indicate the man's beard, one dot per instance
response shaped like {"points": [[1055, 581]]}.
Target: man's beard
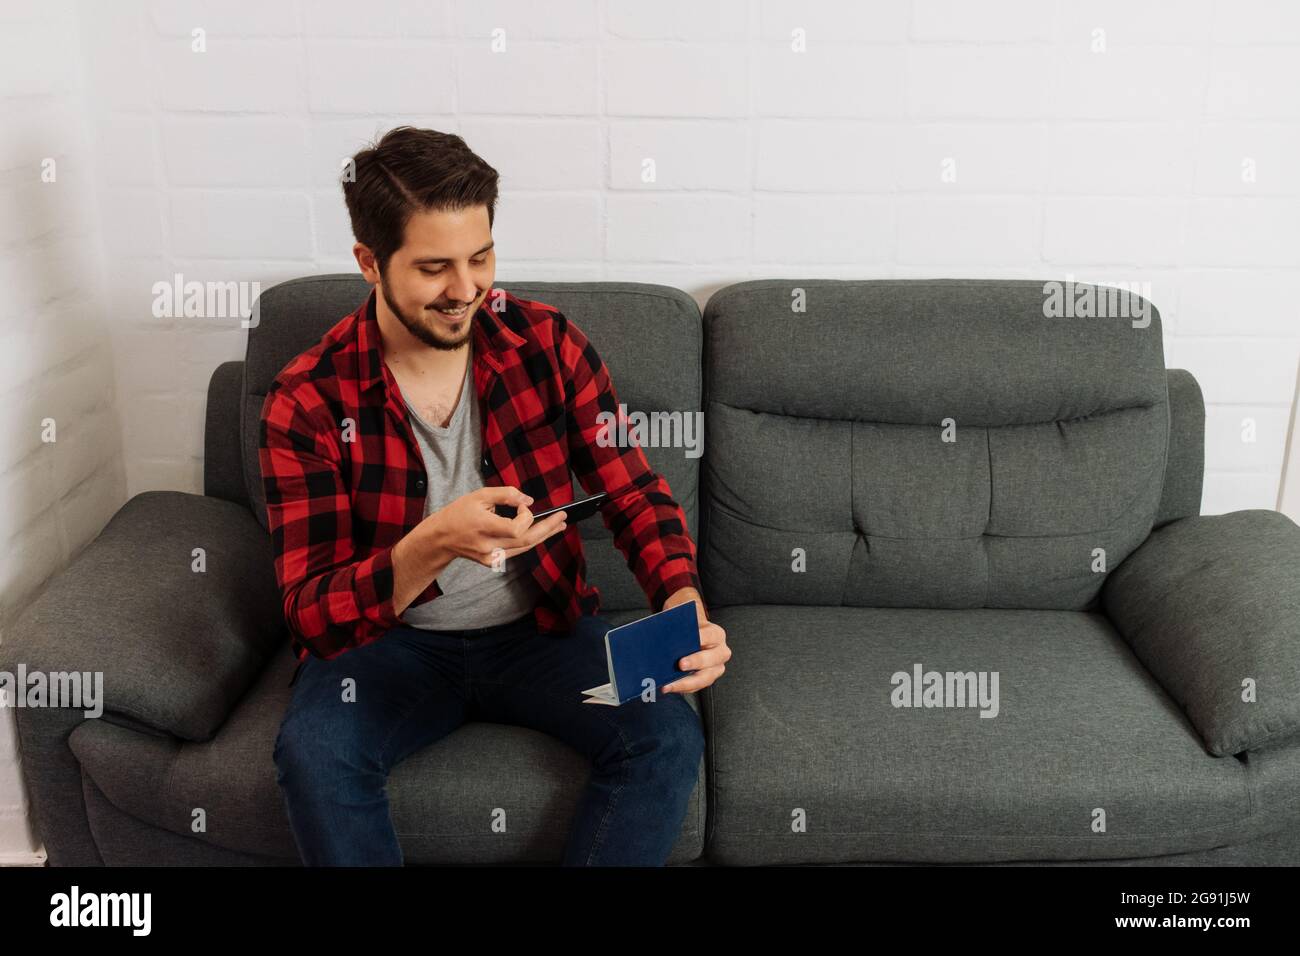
{"points": [[428, 336]]}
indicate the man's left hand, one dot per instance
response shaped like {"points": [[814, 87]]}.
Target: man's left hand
{"points": [[710, 660]]}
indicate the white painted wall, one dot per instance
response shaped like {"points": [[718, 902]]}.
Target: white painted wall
{"points": [[1122, 165], [55, 357]]}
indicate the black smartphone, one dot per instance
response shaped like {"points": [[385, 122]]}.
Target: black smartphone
{"points": [[573, 511]]}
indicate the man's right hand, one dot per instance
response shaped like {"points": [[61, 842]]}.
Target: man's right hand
{"points": [[469, 527]]}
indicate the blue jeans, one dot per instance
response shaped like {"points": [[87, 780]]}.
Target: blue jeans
{"points": [[415, 686]]}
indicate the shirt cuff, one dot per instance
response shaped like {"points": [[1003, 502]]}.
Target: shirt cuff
{"points": [[376, 601], [373, 583], [671, 577], [427, 595]]}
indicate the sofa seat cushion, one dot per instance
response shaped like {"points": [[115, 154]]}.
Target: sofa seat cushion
{"points": [[441, 796], [1086, 758]]}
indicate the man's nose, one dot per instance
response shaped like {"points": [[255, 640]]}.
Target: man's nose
{"points": [[462, 288]]}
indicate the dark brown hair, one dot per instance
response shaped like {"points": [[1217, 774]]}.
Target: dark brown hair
{"points": [[412, 170]]}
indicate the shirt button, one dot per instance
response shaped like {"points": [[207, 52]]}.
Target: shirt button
{"points": [[419, 484]]}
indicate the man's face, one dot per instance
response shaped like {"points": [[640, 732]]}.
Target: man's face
{"points": [[446, 262]]}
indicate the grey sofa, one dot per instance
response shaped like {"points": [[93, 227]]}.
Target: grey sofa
{"points": [[902, 477]]}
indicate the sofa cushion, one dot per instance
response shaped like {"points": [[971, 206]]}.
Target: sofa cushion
{"points": [[1211, 606], [803, 727], [829, 479], [649, 336], [177, 643], [437, 794]]}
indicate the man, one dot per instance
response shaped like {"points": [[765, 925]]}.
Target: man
{"points": [[413, 605]]}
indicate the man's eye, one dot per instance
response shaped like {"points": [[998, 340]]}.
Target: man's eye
{"points": [[433, 272]]}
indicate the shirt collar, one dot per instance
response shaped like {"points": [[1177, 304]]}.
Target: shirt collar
{"points": [[491, 336]]}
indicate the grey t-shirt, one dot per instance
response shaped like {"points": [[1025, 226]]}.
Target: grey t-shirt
{"points": [[473, 594]]}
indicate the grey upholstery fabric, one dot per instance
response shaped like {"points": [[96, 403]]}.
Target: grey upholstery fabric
{"points": [[1185, 467], [438, 794], [1208, 603], [649, 337], [177, 647], [802, 727], [223, 468], [825, 445], [1064, 428], [127, 841]]}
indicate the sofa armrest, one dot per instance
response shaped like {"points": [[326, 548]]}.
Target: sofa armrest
{"points": [[1211, 606], [177, 646]]}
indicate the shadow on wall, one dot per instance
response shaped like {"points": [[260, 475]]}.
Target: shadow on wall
{"points": [[62, 474], [1288, 495]]}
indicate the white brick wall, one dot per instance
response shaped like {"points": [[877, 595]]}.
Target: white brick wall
{"points": [[1124, 163], [54, 339]]}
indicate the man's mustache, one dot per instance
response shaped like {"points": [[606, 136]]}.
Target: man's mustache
{"points": [[456, 305]]}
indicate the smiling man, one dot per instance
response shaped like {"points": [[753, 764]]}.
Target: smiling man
{"points": [[413, 606]]}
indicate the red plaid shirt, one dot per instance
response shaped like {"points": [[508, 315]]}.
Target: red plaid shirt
{"points": [[345, 481]]}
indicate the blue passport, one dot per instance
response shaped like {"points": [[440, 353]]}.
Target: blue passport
{"points": [[646, 650]]}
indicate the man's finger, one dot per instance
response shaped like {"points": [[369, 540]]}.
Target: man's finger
{"points": [[711, 634], [516, 540], [521, 522], [504, 495], [696, 681], [709, 656], [541, 531], [544, 528], [502, 529]]}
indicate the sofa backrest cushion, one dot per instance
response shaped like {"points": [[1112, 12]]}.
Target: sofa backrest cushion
{"points": [[926, 443], [649, 336]]}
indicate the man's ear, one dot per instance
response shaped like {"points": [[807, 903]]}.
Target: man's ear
{"points": [[366, 260]]}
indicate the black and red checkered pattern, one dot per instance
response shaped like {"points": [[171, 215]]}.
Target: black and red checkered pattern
{"points": [[344, 479]]}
